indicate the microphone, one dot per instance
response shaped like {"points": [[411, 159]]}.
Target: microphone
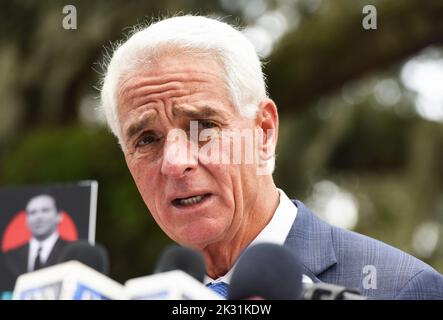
{"points": [[94, 256], [178, 276], [79, 275], [67, 281], [327, 291], [181, 258], [273, 272], [266, 271]]}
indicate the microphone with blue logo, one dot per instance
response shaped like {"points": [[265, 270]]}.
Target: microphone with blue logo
{"points": [[78, 276], [178, 275]]}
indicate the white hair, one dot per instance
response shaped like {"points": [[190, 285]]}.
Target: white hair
{"points": [[244, 78]]}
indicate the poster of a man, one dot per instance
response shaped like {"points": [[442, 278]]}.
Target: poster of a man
{"points": [[45, 245], [37, 223]]}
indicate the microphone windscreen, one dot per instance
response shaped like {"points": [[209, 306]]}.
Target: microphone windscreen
{"points": [[181, 258], [267, 271], [94, 256]]}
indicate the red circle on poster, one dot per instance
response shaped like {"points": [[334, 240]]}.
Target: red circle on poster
{"points": [[17, 232]]}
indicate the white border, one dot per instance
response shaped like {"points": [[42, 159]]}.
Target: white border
{"points": [[92, 208]]}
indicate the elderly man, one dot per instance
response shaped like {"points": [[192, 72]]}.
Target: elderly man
{"points": [[177, 95]]}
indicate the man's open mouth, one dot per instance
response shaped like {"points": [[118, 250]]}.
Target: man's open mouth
{"points": [[193, 200]]}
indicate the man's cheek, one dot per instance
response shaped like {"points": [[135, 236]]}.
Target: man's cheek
{"points": [[140, 176], [143, 188]]}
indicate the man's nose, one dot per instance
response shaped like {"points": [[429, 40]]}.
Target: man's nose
{"points": [[180, 155]]}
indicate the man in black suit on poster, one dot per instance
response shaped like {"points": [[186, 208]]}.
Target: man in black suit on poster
{"points": [[45, 245]]}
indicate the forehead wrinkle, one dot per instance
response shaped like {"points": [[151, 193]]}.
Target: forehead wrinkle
{"points": [[133, 84], [163, 77], [160, 96], [134, 92], [197, 112], [149, 88]]}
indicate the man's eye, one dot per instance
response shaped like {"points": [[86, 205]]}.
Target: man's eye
{"points": [[206, 124], [146, 140]]}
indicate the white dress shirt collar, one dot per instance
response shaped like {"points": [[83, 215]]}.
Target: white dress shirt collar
{"points": [[46, 246]]}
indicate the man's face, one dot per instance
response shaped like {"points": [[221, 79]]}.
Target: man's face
{"points": [[196, 203], [42, 217]]}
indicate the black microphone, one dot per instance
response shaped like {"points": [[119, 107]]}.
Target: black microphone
{"points": [[272, 272], [327, 291], [267, 271], [94, 256], [182, 258]]}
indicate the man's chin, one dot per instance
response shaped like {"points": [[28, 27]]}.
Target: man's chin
{"points": [[41, 236], [199, 240]]}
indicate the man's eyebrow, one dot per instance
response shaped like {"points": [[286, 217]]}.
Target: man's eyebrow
{"points": [[199, 112], [139, 125]]}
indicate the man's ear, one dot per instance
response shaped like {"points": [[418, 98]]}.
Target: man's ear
{"points": [[267, 121]]}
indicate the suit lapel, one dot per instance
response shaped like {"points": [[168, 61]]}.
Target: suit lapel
{"points": [[55, 252], [312, 240], [23, 259]]}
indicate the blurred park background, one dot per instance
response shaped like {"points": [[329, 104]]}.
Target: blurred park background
{"points": [[361, 112]]}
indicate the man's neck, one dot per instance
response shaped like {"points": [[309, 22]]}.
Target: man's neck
{"points": [[221, 256]]}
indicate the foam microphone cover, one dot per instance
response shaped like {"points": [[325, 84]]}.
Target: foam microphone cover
{"points": [[94, 256], [181, 258], [267, 271]]}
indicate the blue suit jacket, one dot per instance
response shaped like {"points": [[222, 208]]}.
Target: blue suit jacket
{"points": [[333, 255]]}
